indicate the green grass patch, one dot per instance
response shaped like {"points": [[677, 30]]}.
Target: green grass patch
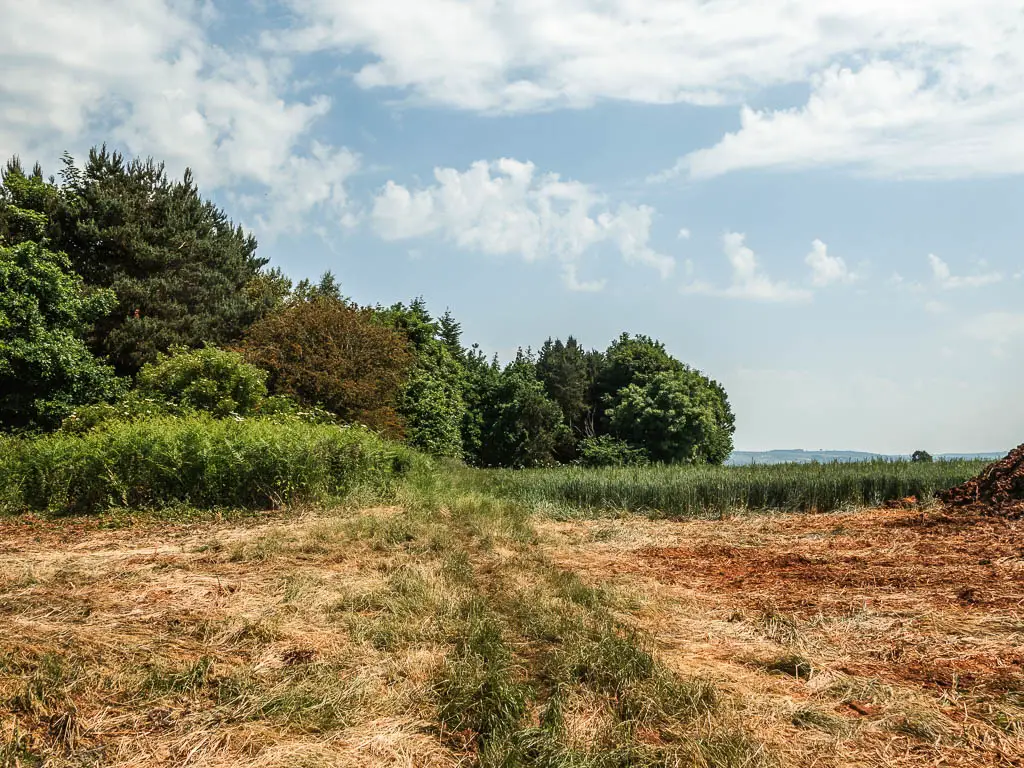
{"points": [[688, 491], [198, 462]]}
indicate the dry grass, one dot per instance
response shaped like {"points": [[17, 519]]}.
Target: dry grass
{"points": [[466, 632], [866, 638]]}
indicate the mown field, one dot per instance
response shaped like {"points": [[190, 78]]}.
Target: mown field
{"points": [[411, 614]]}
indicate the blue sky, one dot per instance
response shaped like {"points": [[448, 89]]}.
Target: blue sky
{"points": [[818, 204]]}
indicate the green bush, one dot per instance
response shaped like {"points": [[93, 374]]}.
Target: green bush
{"points": [[209, 379], [196, 461], [606, 451], [135, 406]]}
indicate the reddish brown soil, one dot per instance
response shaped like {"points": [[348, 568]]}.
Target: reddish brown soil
{"points": [[976, 566], [999, 489], [929, 600]]}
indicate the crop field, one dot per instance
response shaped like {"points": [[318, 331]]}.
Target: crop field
{"points": [[684, 491], [455, 626]]}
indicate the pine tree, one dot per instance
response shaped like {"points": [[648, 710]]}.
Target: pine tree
{"points": [[180, 269]]}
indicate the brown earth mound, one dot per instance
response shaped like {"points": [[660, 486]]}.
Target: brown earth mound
{"points": [[999, 489]]}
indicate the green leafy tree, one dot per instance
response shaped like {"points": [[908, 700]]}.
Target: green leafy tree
{"points": [[482, 377], [23, 202], [325, 351], [46, 369], [568, 373], [631, 360], [675, 417], [921, 456], [432, 403], [182, 273], [522, 426], [208, 379]]}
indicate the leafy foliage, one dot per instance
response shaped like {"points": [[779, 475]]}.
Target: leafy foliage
{"points": [[630, 360], [46, 368], [522, 426], [607, 451], [675, 417], [181, 271], [157, 271], [432, 404], [195, 460], [568, 373], [921, 456], [325, 351], [208, 379]]}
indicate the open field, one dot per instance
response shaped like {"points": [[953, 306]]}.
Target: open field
{"points": [[691, 491], [454, 628]]}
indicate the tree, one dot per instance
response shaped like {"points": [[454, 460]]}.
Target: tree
{"points": [[182, 273], [326, 351], [208, 379], [451, 334], [568, 373], [632, 360], [522, 427], [46, 369], [431, 404], [921, 456], [675, 417], [482, 377]]}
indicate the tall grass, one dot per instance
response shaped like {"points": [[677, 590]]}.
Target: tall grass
{"points": [[195, 461], [693, 491]]}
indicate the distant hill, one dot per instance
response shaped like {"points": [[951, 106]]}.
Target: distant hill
{"points": [[798, 456]]}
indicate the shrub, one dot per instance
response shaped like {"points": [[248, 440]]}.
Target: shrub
{"points": [[196, 461], [208, 379], [324, 351], [45, 367], [606, 451]]}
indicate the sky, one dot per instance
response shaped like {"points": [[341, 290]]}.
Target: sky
{"points": [[818, 203]]}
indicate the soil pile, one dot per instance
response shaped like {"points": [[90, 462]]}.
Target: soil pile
{"points": [[999, 489]]}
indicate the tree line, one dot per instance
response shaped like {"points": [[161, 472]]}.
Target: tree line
{"points": [[123, 290]]}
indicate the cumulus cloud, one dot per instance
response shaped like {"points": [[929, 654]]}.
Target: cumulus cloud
{"points": [[826, 269], [904, 89], [507, 207], [684, 234], [944, 278], [749, 280], [145, 75]]}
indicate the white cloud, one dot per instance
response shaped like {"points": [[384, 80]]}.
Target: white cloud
{"points": [[897, 88], [948, 281], [920, 118], [144, 75], [684, 234], [506, 207], [748, 279], [825, 269], [933, 307]]}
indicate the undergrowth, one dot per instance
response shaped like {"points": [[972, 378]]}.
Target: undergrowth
{"points": [[196, 462]]}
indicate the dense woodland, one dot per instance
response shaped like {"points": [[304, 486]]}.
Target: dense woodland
{"points": [[124, 293]]}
